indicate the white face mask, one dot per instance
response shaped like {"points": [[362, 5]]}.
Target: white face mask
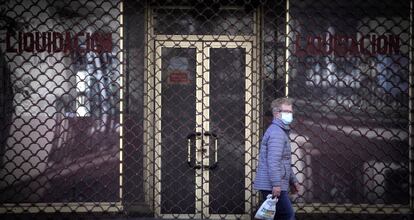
{"points": [[286, 117]]}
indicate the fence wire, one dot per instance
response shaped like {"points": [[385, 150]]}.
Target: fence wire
{"points": [[157, 108]]}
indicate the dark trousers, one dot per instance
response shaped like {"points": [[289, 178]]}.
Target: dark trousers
{"points": [[284, 210]]}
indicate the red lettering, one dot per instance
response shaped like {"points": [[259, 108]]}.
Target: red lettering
{"points": [[49, 42], [28, 42], [315, 45], [374, 44], [353, 48], [362, 47], [68, 43], [107, 42], [382, 44], [328, 44], [9, 48], [98, 42], [20, 42], [88, 42], [298, 50], [57, 42], [37, 41], [92, 40], [394, 44], [310, 47], [340, 45], [76, 42]]}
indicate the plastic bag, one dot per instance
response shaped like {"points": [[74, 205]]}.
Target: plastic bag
{"points": [[268, 209]]}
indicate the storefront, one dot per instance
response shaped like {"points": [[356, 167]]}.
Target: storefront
{"points": [[157, 108]]}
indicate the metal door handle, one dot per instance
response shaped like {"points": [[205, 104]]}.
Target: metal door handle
{"points": [[188, 151], [189, 137], [215, 154], [195, 135], [214, 135]]}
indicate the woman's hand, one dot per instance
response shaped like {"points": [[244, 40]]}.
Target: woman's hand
{"points": [[295, 187]]}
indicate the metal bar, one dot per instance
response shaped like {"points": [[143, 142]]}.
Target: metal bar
{"points": [[215, 150], [200, 58], [287, 53], [149, 115], [121, 95], [192, 8], [157, 126], [198, 38], [230, 216], [205, 91], [411, 113], [351, 208], [61, 207], [248, 121], [180, 216], [258, 72], [189, 151]]}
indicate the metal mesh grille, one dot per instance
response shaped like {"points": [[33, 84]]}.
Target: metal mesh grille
{"points": [[60, 106], [349, 67], [157, 107]]}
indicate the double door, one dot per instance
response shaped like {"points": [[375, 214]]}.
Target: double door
{"points": [[203, 136]]}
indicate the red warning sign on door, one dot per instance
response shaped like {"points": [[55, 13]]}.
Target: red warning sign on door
{"points": [[178, 77]]}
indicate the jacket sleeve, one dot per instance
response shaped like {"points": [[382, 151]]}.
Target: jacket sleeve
{"points": [[274, 156]]}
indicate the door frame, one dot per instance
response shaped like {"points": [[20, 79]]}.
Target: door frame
{"points": [[149, 99], [159, 45], [153, 113]]}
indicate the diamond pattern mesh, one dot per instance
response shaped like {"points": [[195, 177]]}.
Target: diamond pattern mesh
{"points": [[157, 107]]}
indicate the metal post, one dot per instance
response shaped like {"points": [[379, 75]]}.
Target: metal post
{"points": [[121, 95], [287, 53], [411, 115]]}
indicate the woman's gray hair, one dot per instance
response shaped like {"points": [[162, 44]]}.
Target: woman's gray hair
{"points": [[277, 103]]}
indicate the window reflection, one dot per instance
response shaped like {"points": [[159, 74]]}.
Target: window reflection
{"points": [[82, 88]]}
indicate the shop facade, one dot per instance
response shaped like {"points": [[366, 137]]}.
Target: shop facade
{"points": [[157, 108]]}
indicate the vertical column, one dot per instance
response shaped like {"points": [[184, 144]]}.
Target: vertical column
{"points": [[201, 59], [149, 117], [257, 70], [411, 110], [121, 95], [249, 122], [157, 125], [287, 53], [206, 128]]}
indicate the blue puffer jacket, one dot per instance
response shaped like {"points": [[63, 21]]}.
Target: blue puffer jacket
{"points": [[274, 167]]}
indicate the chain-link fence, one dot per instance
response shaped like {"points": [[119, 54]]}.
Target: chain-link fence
{"points": [[157, 108]]}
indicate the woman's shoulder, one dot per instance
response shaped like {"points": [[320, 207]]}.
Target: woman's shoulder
{"points": [[274, 128], [275, 132]]}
